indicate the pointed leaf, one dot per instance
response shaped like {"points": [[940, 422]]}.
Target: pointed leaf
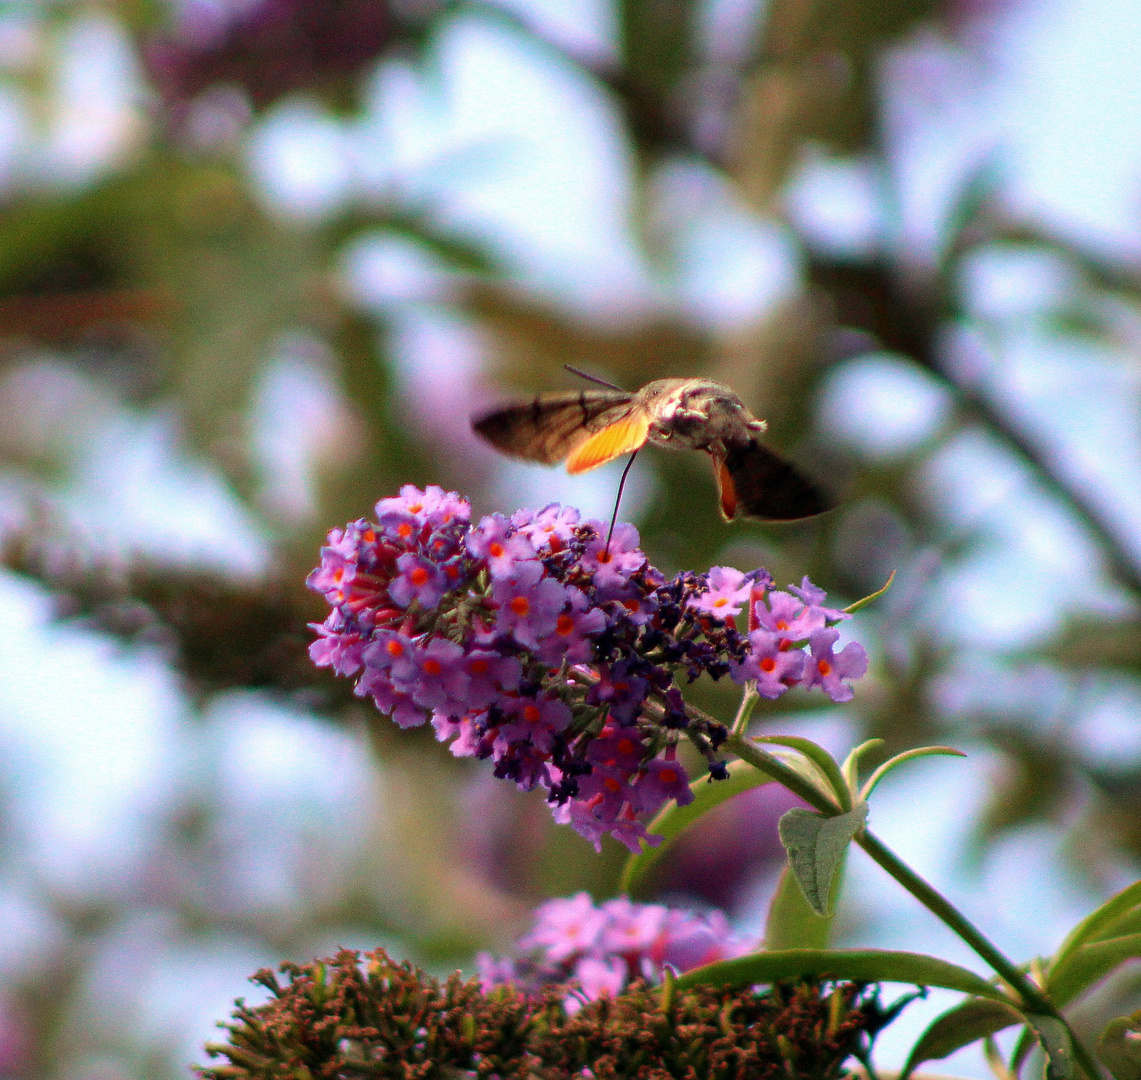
{"points": [[958, 1027], [899, 759], [850, 767], [1097, 921], [816, 846], [858, 965], [1083, 967], [1119, 1047], [674, 819], [792, 924], [819, 757], [851, 609]]}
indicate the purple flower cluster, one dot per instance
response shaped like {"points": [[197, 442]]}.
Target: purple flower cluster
{"points": [[601, 949], [533, 642]]}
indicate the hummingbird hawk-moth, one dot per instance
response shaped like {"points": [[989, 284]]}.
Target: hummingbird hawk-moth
{"points": [[592, 427]]}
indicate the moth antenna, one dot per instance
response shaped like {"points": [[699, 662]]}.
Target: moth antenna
{"points": [[617, 501], [591, 378]]}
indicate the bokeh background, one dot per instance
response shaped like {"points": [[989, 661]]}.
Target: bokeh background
{"points": [[259, 262]]}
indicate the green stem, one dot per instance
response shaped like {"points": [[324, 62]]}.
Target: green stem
{"points": [[748, 701], [786, 775], [1032, 997]]}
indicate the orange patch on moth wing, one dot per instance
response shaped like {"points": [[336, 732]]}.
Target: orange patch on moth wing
{"points": [[726, 489], [622, 437]]}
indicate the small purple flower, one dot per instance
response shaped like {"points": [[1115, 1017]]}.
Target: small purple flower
{"points": [[728, 591], [534, 720], [419, 580], [574, 629], [335, 648], [437, 506], [826, 669], [611, 565], [689, 941], [785, 615], [392, 652], [622, 692], [617, 748], [524, 763], [657, 783], [814, 597], [636, 605], [529, 604], [389, 699], [772, 665], [551, 529], [495, 541], [565, 928], [631, 928], [489, 675], [599, 978], [465, 732], [441, 681]]}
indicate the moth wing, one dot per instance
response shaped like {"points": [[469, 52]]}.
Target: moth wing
{"points": [[726, 489], [551, 426], [763, 485], [621, 437]]}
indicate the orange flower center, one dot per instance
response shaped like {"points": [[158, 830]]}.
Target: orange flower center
{"points": [[768, 663], [432, 666], [419, 576], [520, 605], [823, 667], [565, 625], [395, 648]]}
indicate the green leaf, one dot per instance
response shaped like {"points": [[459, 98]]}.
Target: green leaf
{"points": [[674, 819], [852, 608], [820, 758], [1055, 1042], [859, 965], [1098, 921], [850, 767], [958, 1027], [791, 923], [1119, 1047], [816, 845], [899, 759], [1083, 967]]}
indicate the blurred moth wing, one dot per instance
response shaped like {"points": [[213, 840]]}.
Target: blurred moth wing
{"points": [[591, 427], [550, 427]]}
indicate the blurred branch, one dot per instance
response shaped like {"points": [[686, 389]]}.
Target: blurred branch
{"points": [[871, 297], [223, 634]]}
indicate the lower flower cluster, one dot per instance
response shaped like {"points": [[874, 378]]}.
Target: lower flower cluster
{"points": [[355, 1016], [600, 950], [557, 652]]}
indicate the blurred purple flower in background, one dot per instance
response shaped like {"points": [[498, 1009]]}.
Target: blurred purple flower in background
{"points": [[601, 949]]}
